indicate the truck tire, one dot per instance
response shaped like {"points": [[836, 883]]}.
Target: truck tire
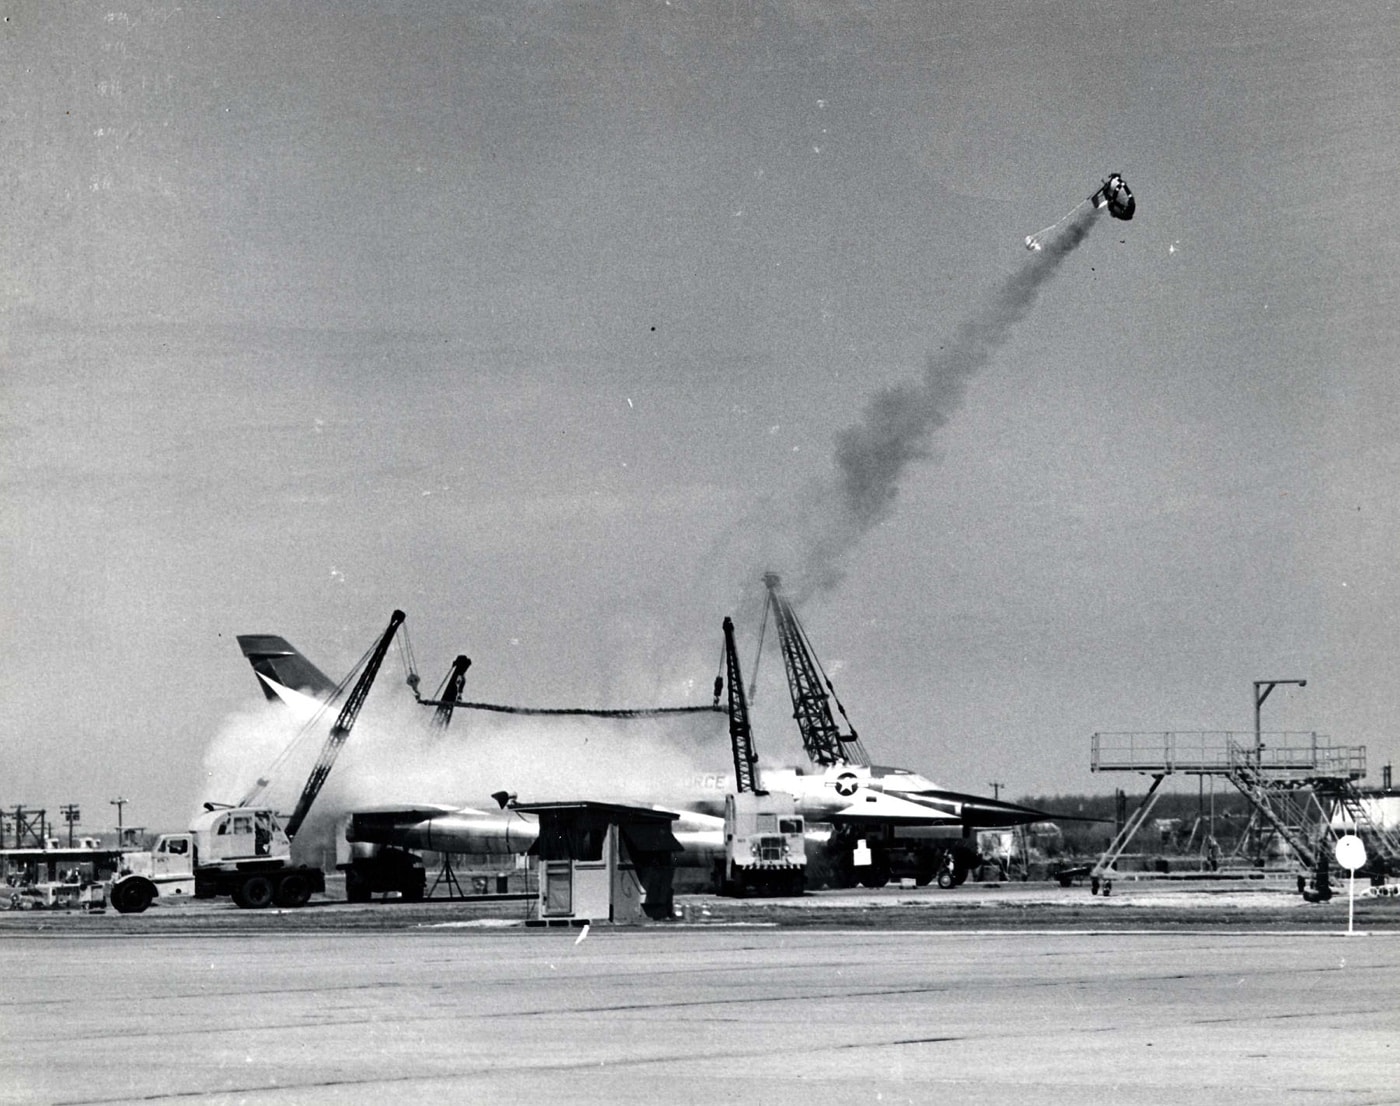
{"points": [[254, 893], [293, 891], [132, 896]]}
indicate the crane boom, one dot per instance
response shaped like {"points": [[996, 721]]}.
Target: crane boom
{"points": [[823, 740], [740, 731], [451, 691], [343, 725]]}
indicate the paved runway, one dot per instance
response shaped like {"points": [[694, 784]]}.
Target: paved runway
{"points": [[705, 1014]]}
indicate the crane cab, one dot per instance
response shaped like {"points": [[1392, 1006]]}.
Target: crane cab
{"points": [[241, 833]]}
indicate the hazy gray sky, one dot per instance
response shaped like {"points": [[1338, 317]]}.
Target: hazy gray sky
{"points": [[543, 322]]}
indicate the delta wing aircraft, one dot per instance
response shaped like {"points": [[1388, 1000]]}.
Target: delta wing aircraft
{"points": [[869, 822]]}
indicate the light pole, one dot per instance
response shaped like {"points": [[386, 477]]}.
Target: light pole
{"points": [[1262, 688]]}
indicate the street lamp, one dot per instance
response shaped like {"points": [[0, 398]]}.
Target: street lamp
{"points": [[1262, 688]]}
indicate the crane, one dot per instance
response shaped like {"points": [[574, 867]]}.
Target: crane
{"points": [[244, 851], [823, 740], [448, 694], [740, 731], [343, 725], [765, 850]]}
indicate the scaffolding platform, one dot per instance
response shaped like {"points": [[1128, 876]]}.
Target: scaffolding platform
{"points": [[1298, 784], [1280, 756]]}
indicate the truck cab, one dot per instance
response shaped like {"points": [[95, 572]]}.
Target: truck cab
{"points": [[765, 844], [169, 865]]}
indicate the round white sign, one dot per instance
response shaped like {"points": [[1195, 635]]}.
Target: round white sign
{"points": [[1351, 853]]}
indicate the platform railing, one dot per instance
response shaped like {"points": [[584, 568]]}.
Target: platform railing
{"points": [[1289, 753]]}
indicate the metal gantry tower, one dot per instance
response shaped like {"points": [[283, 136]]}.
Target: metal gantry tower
{"points": [[1297, 785]]}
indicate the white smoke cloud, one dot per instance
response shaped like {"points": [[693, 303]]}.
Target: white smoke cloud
{"points": [[394, 756]]}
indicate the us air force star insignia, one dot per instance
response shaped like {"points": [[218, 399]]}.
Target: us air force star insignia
{"points": [[846, 783]]}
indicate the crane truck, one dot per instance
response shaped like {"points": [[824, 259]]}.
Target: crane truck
{"points": [[765, 845], [244, 851]]}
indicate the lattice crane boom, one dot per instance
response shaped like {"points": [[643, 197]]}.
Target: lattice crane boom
{"points": [[740, 731], [823, 740], [343, 725], [451, 691]]}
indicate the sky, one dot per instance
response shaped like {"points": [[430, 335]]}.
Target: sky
{"points": [[557, 325]]}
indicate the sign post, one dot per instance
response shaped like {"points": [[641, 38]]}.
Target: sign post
{"points": [[1351, 855]]}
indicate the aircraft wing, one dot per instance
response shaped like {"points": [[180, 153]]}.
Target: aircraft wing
{"points": [[399, 815], [977, 810], [880, 806]]}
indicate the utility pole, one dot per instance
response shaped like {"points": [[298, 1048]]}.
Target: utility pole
{"points": [[996, 789], [70, 815], [118, 803]]}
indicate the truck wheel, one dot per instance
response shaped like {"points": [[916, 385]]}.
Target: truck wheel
{"points": [[255, 893], [945, 878], [293, 891], [132, 897]]}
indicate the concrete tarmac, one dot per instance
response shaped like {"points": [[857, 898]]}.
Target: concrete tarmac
{"points": [[478, 1012]]}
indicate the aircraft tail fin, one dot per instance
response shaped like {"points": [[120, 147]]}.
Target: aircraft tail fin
{"points": [[273, 658]]}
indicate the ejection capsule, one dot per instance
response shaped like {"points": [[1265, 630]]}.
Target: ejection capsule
{"points": [[1114, 195]]}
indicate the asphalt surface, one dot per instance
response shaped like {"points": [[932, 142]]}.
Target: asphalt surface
{"points": [[1158, 994]]}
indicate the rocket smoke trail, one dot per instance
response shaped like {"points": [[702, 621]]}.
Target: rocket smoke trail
{"points": [[898, 424]]}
